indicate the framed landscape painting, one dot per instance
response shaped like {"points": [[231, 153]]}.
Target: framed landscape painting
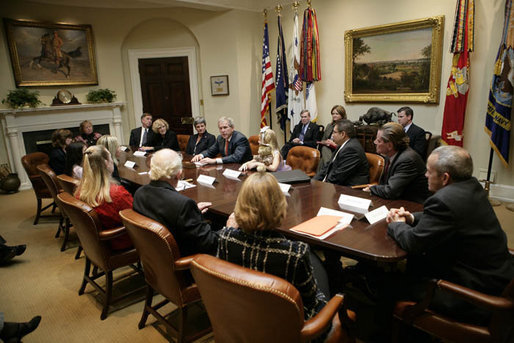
{"points": [[398, 62], [46, 54]]}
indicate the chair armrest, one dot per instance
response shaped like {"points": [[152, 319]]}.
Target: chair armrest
{"points": [[183, 263], [485, 301], [317, 324], [108, 234]]}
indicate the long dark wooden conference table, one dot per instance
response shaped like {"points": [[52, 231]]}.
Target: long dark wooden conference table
{"points": [[359, 241]]}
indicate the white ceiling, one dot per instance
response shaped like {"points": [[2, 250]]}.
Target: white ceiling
{"points": [[211, 5]]}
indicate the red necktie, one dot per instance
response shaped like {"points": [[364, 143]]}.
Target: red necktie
{"points": [[226, 147]]}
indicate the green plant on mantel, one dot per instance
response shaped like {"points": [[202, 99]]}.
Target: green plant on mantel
{"points": [[96, 96], [22, 97]]}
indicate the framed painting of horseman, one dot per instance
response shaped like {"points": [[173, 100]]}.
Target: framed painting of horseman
{"points": [[47, 54]]}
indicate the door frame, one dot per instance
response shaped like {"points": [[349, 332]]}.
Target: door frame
{"points": [[136, 54]]}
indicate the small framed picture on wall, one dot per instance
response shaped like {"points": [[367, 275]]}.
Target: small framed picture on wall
{"points": [[219, 85]]}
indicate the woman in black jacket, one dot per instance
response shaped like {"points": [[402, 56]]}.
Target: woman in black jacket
{"points": [[163, 138], [202, 140]]}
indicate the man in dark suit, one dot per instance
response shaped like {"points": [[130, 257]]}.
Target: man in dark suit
{"points": [[160, 201], [349, 165], [143, 135], [304, 133], [404, 171], [417, 139], [232, 145], [457, 237]]}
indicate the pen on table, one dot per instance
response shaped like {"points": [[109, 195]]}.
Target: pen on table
{"points": [[188, 180], [364, 186]]}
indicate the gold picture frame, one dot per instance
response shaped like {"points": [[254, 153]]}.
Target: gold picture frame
{"points": [[399, 62], [50, 54]]}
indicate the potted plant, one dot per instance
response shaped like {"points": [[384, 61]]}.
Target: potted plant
{"points": [[22, 97], [101, 95]]}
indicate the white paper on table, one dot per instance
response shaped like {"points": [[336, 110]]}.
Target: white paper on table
{"points": [[205, 179], [123, 148], [354, 204], [181, 185], [346, 218], [144, 173], [284, 187], [377, 214], [130, 164], [231, 174], [199, 164], [139, 153]]}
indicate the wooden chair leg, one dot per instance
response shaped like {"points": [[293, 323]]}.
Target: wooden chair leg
{"points": [[148, 303], [66, 229], [108, 294], [87, 268], [38, 213], [79, 251], [181, 323]]}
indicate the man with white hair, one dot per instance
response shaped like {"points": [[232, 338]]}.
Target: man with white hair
{"points": [[160, 201], [232, 145]]}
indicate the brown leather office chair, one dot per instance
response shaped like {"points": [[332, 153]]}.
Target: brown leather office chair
{"points": [[94, 240], [68, 183], [500, 328], [304, 158], [182, 141], [165, 272], [254, 144], [250, 306], [30, 163], [50, 179], [433, 142], [376, 167]]}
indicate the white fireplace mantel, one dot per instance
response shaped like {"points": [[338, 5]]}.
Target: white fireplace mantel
{"points": [[17, 121]]}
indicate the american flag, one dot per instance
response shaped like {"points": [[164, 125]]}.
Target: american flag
{"points": [[267, 77]]}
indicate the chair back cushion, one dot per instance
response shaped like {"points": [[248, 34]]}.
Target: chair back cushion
{"points": [[50, 179], [87, 224], [158, 252], [246, 305], [376, 166], [68, 183], [254, 144], [182, 141], [30, 163], [304, 158]]}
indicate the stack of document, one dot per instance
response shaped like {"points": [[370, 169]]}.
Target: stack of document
{"points": [[181, 185], [324, 224]]}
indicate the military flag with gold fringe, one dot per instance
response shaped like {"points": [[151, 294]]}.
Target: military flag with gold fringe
{"points": [[310, 66], [458, 83], [498, 118]]}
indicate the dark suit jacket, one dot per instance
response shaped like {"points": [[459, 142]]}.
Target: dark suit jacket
{"points": [[458, 238], [238, 149], [405, 178], [161, 202], [168, 141], [135, 137], [349, 168], [205, 142], [310, 137], [57, 160], [418, 141]]}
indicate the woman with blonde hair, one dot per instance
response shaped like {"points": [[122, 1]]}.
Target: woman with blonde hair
{"points": [[87, 136], [112, 145], [163, 137], [98, 190], [269, 155], [253, 241]]}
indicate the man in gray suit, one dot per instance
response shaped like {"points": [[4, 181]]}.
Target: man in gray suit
{"points": [[348, 165], [457, 237], [404, 171], [232, 145]]}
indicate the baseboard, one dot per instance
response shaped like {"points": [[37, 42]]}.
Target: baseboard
{"points": [[501, 192]]}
